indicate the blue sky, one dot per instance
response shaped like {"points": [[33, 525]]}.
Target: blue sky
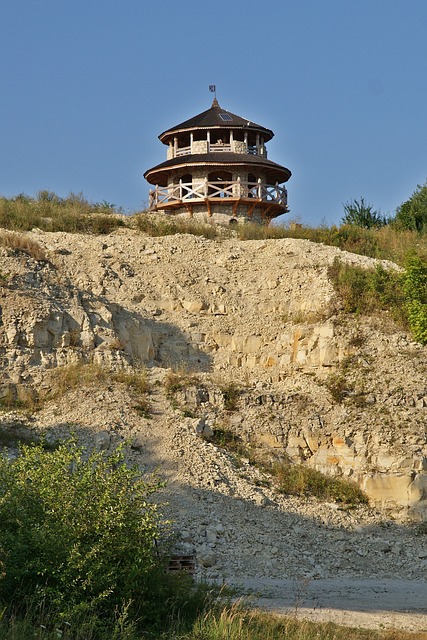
{"points": [[87, 86]]}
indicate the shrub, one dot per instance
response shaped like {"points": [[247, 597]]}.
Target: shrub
{"points": [[78, 533], [297, 479], [369, 291], [415, 287], [339, 387], [412, 214], [361, 214]]}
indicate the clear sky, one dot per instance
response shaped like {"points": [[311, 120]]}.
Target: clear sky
{"points": [[87, 86]]}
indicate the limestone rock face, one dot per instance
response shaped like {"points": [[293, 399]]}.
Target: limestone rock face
{"points": [[346, 396]]}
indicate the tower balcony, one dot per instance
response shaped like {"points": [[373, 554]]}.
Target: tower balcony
{"points": [[175, 196], [203, 146]]}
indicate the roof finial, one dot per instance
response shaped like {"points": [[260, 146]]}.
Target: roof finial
{"points": [[212, 89]]}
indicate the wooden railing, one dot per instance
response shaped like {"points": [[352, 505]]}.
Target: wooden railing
{"points": [[236, 189]]}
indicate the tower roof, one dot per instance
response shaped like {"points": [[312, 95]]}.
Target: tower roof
{"points": [[216, 118], [210, 161]]}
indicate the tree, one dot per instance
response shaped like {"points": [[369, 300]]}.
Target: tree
{"points": [[412, 214], [77, 534], [362, 214]]}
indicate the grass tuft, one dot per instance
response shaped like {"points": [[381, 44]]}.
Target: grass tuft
{"points": [[22, 243], [168, 226], [300, 480]]}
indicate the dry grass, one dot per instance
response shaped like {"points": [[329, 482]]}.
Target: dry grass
{"points": [[292, 479], [387, 242], [156, 226], [75, 376], [80, 374], [235, 623], [179, 378], [22, 243], [49, 212]]}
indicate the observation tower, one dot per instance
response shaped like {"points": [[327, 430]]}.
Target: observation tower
{"points": [[217, 168]]}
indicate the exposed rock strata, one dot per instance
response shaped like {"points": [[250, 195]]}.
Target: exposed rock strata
{"points": [[262, 314]]}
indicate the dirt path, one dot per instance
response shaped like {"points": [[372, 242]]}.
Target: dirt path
{"points": [[374, 604]]}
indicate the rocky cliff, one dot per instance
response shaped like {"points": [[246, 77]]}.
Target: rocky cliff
{"points": [[311, 384]]}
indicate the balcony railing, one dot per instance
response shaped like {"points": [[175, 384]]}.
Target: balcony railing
{"points": [[217, 147], [183, 151], [183, 192]]}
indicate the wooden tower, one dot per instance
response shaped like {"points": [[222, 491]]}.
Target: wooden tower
{"points": [[217, 168]]}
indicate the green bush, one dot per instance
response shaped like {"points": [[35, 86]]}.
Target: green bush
{"points": [[78, 537], [415, 287], [369, 291], [298, 479], [412, 214]]}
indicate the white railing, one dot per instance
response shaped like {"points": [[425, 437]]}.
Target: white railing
{"points": [[236, 189]]}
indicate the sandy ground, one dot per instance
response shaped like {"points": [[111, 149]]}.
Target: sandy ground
{"points": [[373, 604]]}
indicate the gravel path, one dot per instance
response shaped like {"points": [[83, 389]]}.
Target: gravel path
{"points": [[374, 604]]}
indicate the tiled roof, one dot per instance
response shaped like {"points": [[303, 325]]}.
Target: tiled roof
{"points": [[212, 119], [276, 172]]}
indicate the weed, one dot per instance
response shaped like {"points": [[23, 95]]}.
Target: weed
{"points": [[339, 387], [137, 380], [357, 340], [233, 443], [49, 212], [19, 398], [369, 291], [24, 244], [143, 409], [296, 479], [167, 226], [231, 394], [188, 414], [75, 376], [178, 379]]}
